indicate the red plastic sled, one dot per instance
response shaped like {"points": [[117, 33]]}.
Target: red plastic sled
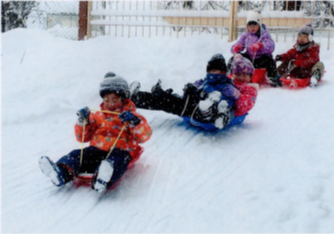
{"points": [[85, 178], [294, 82], [260, 76]]}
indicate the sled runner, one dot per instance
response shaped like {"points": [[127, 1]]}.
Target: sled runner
{"points": [[85, 178]]}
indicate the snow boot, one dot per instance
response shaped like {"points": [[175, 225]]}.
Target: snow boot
{"points": [[104, 174], [275, 81], [51, 170], [206, 106], [158, 91], [224, 114], [134, 88], [315, 78]]}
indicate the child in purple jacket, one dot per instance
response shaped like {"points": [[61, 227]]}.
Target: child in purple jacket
{"points": [[258, 44]]}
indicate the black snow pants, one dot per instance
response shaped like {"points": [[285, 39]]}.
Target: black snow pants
{"points": [[171, 103], [91, 159]]}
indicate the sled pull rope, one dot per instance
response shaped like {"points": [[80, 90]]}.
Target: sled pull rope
{"points": [[290, 68], [82, 140], [253, 58], [191, 118], [109, 112], [83, 134], [119, 135], [185, 105]]}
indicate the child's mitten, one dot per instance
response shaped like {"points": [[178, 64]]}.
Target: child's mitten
{"points": [[237, 48], [83, 114], [257, 46], [127, 116], [278, 58]]}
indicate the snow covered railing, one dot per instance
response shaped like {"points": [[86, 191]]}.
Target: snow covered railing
{"points": [[160, 13], [192, 13], [161, 18], [220, 17], [127, 24], [191, 18], [130, 23]]}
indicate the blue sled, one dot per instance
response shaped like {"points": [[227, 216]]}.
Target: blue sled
{"points": [[212, 127]]}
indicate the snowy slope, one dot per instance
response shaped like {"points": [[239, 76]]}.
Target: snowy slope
{"points": [[273, 173]]}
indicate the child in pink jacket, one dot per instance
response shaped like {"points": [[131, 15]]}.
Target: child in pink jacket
{"points": [[243, 71]]}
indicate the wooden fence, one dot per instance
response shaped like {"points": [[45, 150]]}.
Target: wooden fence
{"points": [[226, 18]]}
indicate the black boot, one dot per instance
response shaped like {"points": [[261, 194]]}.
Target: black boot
{"points": [[158, 91]]}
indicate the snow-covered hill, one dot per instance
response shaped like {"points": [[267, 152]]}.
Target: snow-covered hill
{"points": [[273, 173]]}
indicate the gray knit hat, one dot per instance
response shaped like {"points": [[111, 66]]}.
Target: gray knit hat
{"points": [[114, 84], [308, 30]]}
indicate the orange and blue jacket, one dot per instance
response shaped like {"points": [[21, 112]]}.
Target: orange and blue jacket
{"points": [[104, 128]]}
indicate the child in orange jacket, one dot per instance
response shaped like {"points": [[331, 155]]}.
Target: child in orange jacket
{"points": [[302, 61], [104, 130]]}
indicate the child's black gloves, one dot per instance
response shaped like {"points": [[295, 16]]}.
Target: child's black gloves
{"points": [[278, 57], [83, 114], [127, 116], [202, 94], [189, 89]]}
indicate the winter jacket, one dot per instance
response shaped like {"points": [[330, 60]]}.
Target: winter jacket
{"points": [[247, 98], [304, 59], [247, 39], [104, 128], [218, 82]]}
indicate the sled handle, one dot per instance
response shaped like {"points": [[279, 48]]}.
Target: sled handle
{"points": [[253, 58], [290, 68], [105, 111]]}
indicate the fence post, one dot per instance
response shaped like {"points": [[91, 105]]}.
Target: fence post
{"points": [[83, 6], [89, 19], [232, 34]]}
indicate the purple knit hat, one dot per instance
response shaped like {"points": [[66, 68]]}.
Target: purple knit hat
{"points": [[242, 65]]}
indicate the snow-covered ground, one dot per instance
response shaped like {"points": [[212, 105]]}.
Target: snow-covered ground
{"points": [[273, 173]]}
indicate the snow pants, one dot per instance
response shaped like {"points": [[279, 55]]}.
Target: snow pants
{"points": [[168, 102], [300, 72], [265, 61], [91, 159]]}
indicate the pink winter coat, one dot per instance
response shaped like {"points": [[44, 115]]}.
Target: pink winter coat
{"points": [[246, 100]]}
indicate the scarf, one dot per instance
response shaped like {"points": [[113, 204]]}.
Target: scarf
{"points": [[301, 47]]}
